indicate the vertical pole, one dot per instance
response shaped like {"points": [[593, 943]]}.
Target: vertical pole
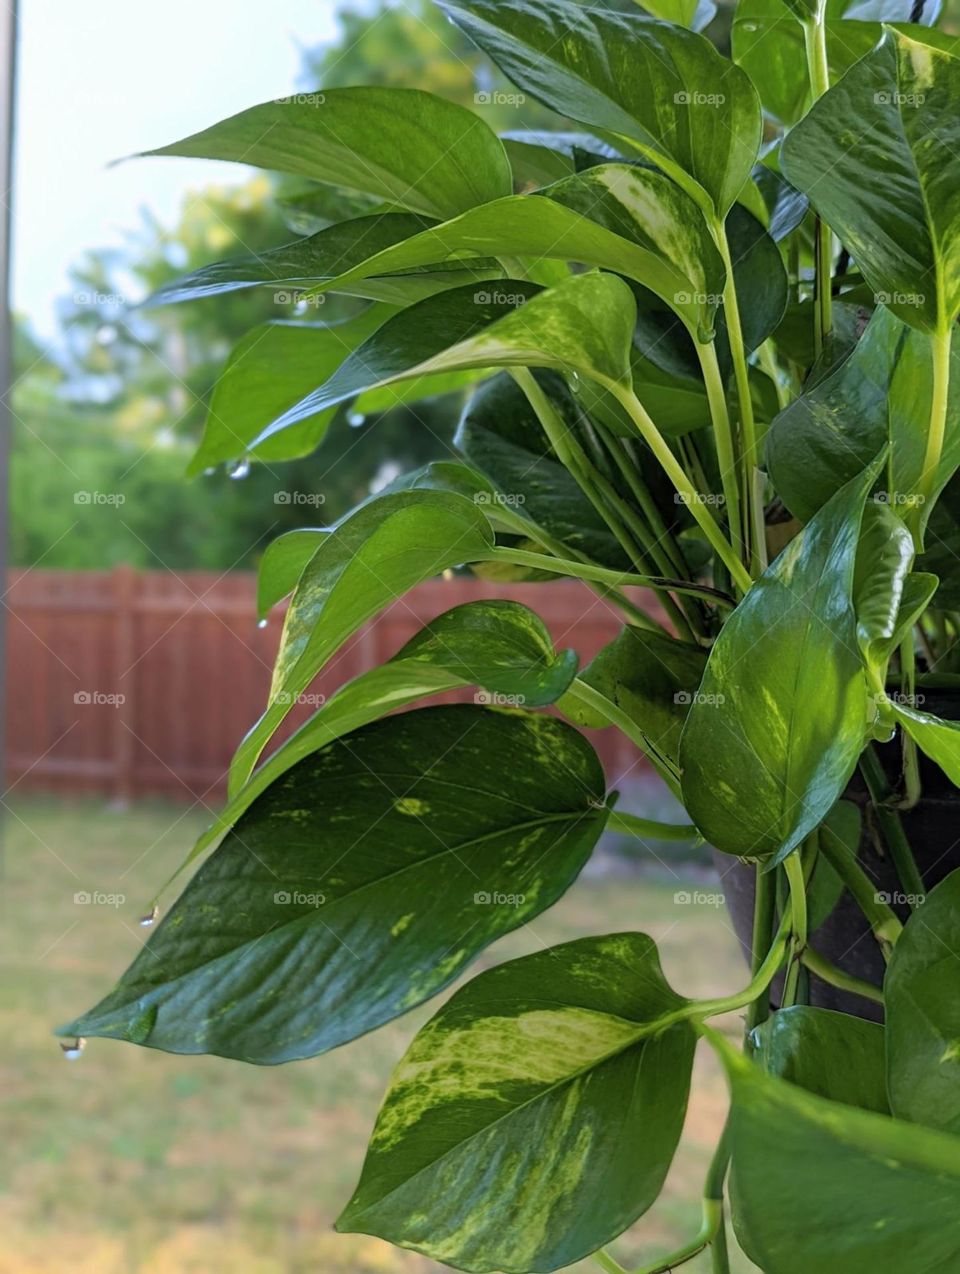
{"points": [[8, 75]]}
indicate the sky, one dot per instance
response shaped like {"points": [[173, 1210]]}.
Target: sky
{"points": [[102, 79]]}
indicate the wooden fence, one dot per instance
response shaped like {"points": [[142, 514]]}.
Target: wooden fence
{"points": [[135, 684]]}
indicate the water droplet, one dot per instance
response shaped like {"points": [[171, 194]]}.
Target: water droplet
{"points": [[72, 1051], [355, 419], [147, 920], [239, 469], [262, 623]]}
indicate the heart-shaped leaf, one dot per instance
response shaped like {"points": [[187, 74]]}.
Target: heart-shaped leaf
{"points": [[653, 679], [368, 560], [831, 1054], [923, 1012], [661, 90], [822, 1186], [361, 883], [410, 148], [892, 123], [535, 1117], [760, 771]]}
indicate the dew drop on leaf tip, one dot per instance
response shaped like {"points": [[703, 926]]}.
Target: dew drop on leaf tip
{"points": [[239, 469], [72, 1051], [147, 920]]}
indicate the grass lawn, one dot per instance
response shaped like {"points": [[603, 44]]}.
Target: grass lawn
{"points": [[130, 1160]]}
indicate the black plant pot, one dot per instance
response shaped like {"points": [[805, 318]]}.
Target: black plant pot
{"points": [[933, 829]]}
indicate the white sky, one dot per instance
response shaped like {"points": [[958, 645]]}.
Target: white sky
{"points": [[100, 79]]}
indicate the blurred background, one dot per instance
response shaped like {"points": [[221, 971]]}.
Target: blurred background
{"points": [[136, 661]]}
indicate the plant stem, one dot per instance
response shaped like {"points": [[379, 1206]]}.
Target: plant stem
{"points": [[940, 350], [748, 432], [759, 983], [911, 762], [723, 436], [580, 692], [606, 1262], [884, 924], [692, 497], [822, 967], [798, 925], [619, 579], [891, 827], [815, 41], [764, 909], [631, 825], [619, 517]]}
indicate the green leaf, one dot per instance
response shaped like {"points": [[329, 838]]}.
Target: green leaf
{"points": [[361, 884], [831, 1054], [760, 771], [535, 1117], [584, 325], [826, 1187], [630, 220], [324, 257], [499, 432], [904, 97], [410, 148], [785, 206], [270, 370], [884, 558], [282, 565], [768, 43], [371, 558], [923, 1012], [499, 646], [540, 158], [662, 90], [686, 13], [653, 679], [828, 435], [940, 740]]}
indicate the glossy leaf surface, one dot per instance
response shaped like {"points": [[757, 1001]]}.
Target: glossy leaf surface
{"points": [[534, 1118], [303, 931]]}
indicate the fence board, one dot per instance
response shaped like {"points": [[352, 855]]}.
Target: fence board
{"points": [[142, 683]]}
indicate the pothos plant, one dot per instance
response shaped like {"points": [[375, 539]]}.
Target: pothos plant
{"points": [[706, 336]]}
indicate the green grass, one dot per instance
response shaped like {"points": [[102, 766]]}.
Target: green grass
{"points": [[130, 1160]]}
